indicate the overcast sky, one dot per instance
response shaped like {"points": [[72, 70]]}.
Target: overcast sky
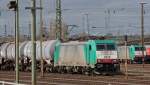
{"points": [[111, 16]]}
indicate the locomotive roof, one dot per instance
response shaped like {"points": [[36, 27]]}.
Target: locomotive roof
{"points": [[105, 41], [136, 45], [73, 43]]}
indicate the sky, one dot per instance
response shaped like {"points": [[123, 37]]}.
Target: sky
{"points": [[118, 17]]}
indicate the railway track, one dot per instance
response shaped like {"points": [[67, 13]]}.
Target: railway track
{"points": [[137, 65], [137, 69], [69, 79]]}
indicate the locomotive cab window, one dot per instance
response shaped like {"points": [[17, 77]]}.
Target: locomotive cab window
{"points": [[139, 48], [102, 47], [110, 47]]}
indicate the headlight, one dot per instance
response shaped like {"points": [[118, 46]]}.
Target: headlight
{"points": [[114, 60]]}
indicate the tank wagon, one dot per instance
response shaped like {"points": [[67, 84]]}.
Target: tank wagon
{"points": [[47, 53], [93, 56], [134, 53], [7, 54]]}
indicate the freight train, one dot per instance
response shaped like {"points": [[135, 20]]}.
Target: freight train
{"points": [[92, 56]]}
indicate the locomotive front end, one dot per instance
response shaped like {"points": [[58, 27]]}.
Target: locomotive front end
{"points": [[107, 56], [106, 53]]}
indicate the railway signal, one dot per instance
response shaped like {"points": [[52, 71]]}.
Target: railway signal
{"points": [[14, 6]]}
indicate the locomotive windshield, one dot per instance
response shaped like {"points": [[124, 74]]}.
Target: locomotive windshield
{"points": [[101, 47], [139, 48]]}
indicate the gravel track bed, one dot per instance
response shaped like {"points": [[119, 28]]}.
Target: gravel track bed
{"points": [[52, 78]]}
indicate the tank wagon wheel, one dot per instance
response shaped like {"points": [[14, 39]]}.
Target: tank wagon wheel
{"points": [[46, 67], [49, 69]]}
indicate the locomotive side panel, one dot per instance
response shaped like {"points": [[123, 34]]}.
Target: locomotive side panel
{"points": [[72, 54]]}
